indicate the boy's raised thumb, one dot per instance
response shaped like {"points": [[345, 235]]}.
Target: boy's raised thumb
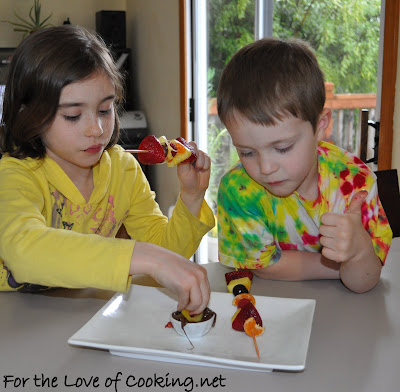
{"points": [[356, 202]]}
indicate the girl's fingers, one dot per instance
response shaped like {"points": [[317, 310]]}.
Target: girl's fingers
{"points": [[183, 301], [197, 298]]}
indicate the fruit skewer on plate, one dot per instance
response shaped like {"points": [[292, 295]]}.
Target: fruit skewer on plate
{"points": [[246, 318], [154, 150]]}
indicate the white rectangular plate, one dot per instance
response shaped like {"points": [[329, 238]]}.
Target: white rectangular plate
{"points": [[133, 325]]}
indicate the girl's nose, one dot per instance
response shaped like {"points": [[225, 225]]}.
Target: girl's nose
{"points": [[94, 128]]}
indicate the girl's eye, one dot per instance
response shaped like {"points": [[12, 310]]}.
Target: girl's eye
{"points": [[72, 118], [284, 150], [105, 112]]}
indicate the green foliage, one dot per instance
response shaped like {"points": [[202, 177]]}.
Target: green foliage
{"points": [[33, 22], [231, 26], [344, 34]]}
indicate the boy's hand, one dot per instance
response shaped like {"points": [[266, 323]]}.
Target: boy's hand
{"points": [[194, 179], [345, 240], [343, 236]]}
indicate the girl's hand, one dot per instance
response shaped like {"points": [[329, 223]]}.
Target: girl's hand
{"points": [[186, 279], [194, 179]]}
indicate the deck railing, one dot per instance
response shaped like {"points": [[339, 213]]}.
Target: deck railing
{"points": [[345, 127]]}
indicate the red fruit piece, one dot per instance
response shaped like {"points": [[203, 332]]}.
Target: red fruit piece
{"points": [[237, 275], [243, 314], [174, 149], [193, 157], [242, 302], [156, 152]]}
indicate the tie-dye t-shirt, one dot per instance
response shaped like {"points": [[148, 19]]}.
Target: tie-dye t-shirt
{"points": [[254, 226]]}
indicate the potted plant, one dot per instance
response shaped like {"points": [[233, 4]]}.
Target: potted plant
{"points": [[32, 23]]}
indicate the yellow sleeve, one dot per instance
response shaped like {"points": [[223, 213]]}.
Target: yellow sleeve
{"points": [[181, 234], [185, 231], [39, 254]]}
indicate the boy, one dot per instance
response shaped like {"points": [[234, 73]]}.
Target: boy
{"points": [[294, 207]]}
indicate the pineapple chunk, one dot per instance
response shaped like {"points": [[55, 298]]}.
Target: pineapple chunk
{"points": [[192, 319]]}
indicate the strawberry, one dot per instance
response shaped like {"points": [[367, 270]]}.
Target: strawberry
{"points": [[243, 302], [242, 314], [193, 157], [156, 152], [238, 275], [241, 299]]}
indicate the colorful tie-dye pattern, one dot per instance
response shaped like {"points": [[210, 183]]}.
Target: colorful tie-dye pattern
{"points": [[254, 226]]}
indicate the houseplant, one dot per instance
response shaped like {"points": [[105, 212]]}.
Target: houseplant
{"points": [[32, 23]]}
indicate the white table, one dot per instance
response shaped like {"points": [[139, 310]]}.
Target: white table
{"points": [[354, 345]]}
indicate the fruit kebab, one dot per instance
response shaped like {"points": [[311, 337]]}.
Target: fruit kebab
{"points": [[246, 318], [154, 150]]}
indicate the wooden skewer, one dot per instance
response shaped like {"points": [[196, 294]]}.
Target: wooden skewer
{"points": [[256, 346], [136, 151]]}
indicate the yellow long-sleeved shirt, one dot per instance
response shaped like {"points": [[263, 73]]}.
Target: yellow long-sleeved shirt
{"points": [[50, 236]]}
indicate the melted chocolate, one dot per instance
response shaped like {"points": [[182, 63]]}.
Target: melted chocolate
{"points": [[207, 315]]}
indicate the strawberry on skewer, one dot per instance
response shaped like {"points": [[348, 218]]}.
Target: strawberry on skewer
{"points": [[242, 314], [246, 318], [154, 150]]}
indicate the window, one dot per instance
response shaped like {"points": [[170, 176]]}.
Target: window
{"points": [[258, 16], [252, 20]]}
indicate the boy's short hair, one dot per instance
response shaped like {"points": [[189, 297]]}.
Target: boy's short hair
{"points": [[42, 65], [271, 79]]}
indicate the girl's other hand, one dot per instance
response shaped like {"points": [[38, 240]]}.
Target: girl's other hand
{"points": [[186, 279], [194, 180]]}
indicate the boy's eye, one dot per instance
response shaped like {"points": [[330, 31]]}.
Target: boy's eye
{"points": [[285, 149], [245, 154]]}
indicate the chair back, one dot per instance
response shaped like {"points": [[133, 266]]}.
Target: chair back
{"points": [[389, 195]]}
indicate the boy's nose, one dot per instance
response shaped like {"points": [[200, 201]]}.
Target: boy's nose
{"points": [[268, 166]]}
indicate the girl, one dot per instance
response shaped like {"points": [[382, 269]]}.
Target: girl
{"points": [[66, 188]]}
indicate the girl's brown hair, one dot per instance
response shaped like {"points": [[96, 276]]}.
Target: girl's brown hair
{"points": [[269, 80], [44, 63]]}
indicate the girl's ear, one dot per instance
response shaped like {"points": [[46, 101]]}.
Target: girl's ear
{"points": [[323, 123]]}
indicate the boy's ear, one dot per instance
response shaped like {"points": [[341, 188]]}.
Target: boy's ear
{"points": [[323, 123]]}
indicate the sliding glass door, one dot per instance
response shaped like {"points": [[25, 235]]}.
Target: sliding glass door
{"points": [[218, 29]]}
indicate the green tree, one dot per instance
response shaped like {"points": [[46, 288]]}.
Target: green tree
{"points": [[344, 34], [231, 26]]}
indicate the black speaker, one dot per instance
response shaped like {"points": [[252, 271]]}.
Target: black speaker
{"points": [[111, 25], [122, 58]]}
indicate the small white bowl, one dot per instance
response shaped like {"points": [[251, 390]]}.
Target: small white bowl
{"points": [[193, 330]]}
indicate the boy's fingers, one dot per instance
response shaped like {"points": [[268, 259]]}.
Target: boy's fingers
{"points": [[356, 202]]}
